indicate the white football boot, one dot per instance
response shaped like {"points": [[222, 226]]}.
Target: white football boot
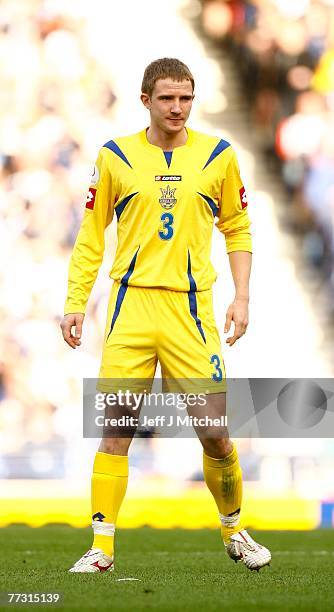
{"points": [[243, 548], [94, 561]]}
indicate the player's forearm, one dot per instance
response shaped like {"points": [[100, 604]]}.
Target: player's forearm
{"points": [[79, 288], [84, 266], [240, 264]]}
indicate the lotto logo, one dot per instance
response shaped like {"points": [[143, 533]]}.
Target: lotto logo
{"points": [[243, 197], [90, 200], [168, 177]]}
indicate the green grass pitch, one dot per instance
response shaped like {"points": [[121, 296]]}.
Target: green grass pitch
{"points": [[177, 570]]}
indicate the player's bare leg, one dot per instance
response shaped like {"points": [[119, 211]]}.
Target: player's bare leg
{"points": [[223, 476], [109, 483]]}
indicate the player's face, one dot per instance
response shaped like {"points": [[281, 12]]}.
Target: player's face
{"points": [[170, 104]]}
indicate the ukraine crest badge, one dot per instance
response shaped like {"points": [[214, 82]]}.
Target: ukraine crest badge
{"points": [[167, 199]]}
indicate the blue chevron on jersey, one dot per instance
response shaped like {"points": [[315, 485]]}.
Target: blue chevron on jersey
{"points": [[221, 146], [115, 149]]}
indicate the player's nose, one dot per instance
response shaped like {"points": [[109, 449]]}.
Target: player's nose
{"points": [[176, 108]]}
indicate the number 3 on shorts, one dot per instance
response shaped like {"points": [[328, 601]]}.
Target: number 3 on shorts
{"points": [[167, 232], [217, 375]]}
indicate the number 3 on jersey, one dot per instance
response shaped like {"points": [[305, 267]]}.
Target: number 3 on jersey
{"points": [[167, 228]]}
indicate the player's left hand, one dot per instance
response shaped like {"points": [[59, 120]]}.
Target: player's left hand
{"points": [[238, 313]]}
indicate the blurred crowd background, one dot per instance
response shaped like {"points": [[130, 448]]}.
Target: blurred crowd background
{"points": [[56, 104], [59, 102], [283, 52]]}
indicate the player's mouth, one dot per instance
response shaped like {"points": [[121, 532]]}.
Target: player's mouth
{"points": [[175, 119]]}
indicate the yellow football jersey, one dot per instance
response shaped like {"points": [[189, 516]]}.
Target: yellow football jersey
{"points": [[166, 204]]}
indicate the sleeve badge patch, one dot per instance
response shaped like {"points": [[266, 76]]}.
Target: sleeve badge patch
{"points": [[243, 197], [90, 200], [94, 179]]}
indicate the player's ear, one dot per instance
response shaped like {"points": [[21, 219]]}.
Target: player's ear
{"points": [[146, 100]]}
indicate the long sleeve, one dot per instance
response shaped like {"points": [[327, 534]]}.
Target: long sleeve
{"points": [[88, 250], [233, 219]]}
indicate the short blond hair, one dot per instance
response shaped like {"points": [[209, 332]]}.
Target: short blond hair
{"points": [[164, 68]]}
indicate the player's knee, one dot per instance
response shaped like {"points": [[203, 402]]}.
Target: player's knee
{"points": [[217, 447], [115, 446]]}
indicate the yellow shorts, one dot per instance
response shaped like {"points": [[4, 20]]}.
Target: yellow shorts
{"points": [[147, 325]]}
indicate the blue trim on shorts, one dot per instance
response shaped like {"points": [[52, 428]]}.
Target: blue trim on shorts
{"points": [[193, 300], [122, 291]]}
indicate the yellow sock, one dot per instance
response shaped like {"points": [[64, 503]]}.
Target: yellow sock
{"points": [[224, 479], [109, 482]]}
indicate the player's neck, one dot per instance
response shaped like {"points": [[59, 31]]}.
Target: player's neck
{"points": [[167, 142]]}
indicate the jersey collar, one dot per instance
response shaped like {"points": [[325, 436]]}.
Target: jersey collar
{"points": [[190, 132]]}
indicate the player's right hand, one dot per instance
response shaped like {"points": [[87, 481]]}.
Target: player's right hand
{"points": [[68, 322]]}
